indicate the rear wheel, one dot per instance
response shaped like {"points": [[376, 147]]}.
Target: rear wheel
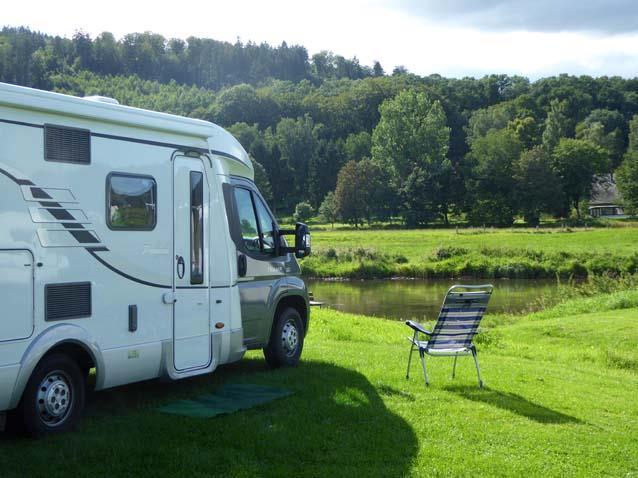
{"points": [[53, 399], [286, 339]]}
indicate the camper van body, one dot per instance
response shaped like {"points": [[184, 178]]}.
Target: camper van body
{"points": [[125, 246]]}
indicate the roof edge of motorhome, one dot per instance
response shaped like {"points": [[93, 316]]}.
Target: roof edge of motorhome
{"points": [[46, 101]]}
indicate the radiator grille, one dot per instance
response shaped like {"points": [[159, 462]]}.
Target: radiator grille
{"points": [[67, 301], [68, 145]]}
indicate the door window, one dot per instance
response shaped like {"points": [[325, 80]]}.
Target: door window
{"points": [[266, 224], [197, 227], [247, 220]]}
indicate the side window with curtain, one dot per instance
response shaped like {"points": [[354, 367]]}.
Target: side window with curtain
{"points": [[266, 223], [247, 219]]}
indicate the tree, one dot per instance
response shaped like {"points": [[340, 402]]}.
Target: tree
{"points": [[361, 192], [298, 144], [577, 162], [489, 119], [492, 187], [357, 146], [627, 173], [556, 124], [377, 69], [538, 189], [328, 209], [303, 212], [627, 180], [412, 133], [261, 180], [608, 130], [632, 143]]}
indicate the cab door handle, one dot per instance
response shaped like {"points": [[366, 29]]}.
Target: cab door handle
{"points": [[242, 265]]}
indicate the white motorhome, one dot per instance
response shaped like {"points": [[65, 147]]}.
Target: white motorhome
{"points": [[134, 243]]}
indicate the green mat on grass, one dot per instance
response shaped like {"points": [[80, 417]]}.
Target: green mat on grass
{"points": [[227, 399]]}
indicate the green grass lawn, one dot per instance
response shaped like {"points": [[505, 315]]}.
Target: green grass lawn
{"points": [[560, 400], [513, 253]]}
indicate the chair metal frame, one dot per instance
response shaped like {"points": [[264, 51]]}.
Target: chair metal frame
{"points": [[422, 345]]}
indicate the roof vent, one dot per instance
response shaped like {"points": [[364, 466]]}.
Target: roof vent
{"points": [[102, 99]]}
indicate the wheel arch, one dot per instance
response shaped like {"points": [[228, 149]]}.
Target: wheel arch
{"points": [[64, 338], [296, 301]]}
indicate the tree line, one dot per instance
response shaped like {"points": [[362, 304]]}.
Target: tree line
{"points": [[356, 143]]}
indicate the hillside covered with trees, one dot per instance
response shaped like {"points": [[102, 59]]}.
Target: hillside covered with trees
{"points": [[357, 143]]}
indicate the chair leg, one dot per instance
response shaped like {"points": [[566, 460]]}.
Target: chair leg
{"points": [[425, 373], [454, 367], [407, 373], [478, 370]]}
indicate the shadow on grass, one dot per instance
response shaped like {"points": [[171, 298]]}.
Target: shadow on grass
{"points": [[335, 424], [513, 403]]}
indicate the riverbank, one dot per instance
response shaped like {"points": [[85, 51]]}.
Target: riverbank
{"points": [[513, 253], [559, 401]]}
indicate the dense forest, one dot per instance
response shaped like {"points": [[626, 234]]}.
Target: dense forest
{"points": [[355, 143]]}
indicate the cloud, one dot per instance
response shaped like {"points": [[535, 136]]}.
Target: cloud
{"points": [[604, 16]]}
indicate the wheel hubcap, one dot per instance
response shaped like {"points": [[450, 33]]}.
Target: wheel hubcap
{"points": [[290, 338], [54, 398]]}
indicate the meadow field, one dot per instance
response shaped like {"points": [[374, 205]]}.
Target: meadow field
{"points": [[486, 253], [559, 401]]}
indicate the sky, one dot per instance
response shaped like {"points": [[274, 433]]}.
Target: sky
{"points": [[454, 38]]}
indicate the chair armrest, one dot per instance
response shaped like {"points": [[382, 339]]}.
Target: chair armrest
{"points": [[418, 327]]}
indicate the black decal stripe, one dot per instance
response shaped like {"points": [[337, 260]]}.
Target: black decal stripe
{"points": [[22, 123], [39, 193], [61, 214], [72, 225], [84, 237], [19, 182], [93, 250], [50, 204], [150, 142]]}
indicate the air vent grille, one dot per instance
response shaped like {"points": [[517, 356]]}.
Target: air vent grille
{"points": [[67, 301], [67, 145]]}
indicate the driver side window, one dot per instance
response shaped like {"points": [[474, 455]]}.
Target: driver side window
{"points": [[247, 220]]}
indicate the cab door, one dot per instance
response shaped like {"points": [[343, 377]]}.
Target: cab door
{"points": [[265, 273], [191, 310]]}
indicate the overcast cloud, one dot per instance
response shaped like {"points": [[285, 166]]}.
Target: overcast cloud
{"points": [[608, 16]]}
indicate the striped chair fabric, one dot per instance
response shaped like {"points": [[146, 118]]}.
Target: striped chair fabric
{"points": [[457, 324], [459, 320]]}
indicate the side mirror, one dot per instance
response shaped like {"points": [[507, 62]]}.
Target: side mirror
{"points": [[302, 241], [303, 246]]}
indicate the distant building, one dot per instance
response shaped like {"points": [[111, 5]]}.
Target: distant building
{"points": [[605, 199]]}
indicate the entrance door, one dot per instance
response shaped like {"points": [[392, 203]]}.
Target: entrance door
{"points": [[191, 321]]}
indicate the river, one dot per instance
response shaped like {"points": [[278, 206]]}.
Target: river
{"points": [[421, 299]]}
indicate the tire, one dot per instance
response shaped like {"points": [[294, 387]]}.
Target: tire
{"points": [[286, 340], [53, 399]]}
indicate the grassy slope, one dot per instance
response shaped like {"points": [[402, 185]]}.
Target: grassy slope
{"points": [[560, 401], [489, 253]]}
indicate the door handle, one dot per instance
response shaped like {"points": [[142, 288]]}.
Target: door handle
{"points": [[181, 267], [242, 265]]}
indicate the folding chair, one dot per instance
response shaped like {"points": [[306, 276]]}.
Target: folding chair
{"points": [[458, 322]]}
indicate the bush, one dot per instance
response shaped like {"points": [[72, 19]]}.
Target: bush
{"points": [[303, 212]]}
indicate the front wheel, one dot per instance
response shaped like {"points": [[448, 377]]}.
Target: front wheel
{"points": [[53, 399], [286, 340]]}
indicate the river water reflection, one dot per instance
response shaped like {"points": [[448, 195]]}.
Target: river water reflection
{"points": [[421, 299]]}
